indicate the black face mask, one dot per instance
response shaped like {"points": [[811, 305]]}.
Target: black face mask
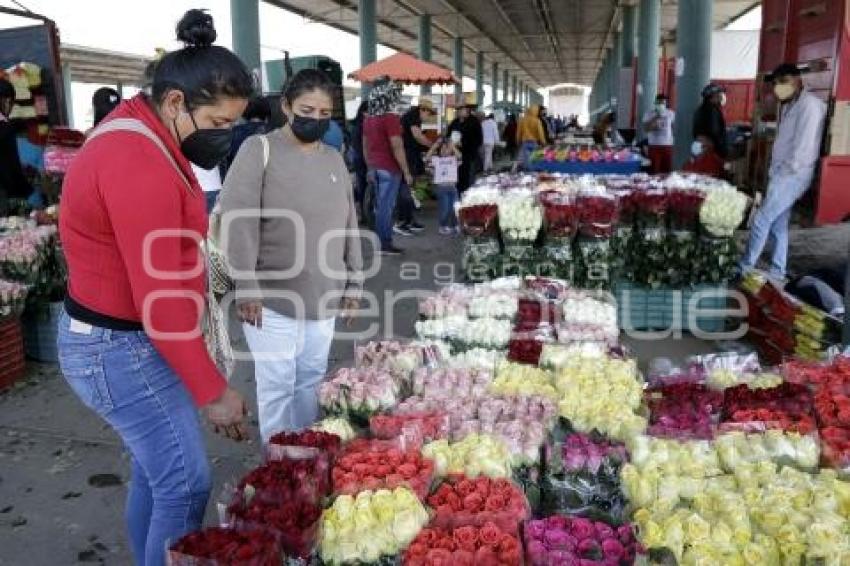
{"points": [[206, 147], [309, 130]]}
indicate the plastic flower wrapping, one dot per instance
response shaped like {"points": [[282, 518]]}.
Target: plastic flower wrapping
{"points": [[370, 525], [476, 455], [398, 358], [520, 379], [683, 410]]}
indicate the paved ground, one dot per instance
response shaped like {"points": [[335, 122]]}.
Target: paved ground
{"points": [[63, 473]]}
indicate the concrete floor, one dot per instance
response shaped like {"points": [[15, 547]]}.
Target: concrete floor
{"points": [[63, 473]]}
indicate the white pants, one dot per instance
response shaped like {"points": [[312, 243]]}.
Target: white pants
{"points": [[487, 156], [290, 360]]}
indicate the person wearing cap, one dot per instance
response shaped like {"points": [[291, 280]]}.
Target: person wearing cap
{"points": [[793, 159], [471, 139], [13, 183], [658, 124], [709, 123], [415, 143]]}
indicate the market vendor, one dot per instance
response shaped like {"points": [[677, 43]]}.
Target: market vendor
{"points": [[13, 183], [471, 140], [130, 344], [658, 124], [793, 159], [530, 134], [415, 143], [709, 121]]}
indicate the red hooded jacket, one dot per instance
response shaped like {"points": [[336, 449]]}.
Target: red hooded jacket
{"points": [[119, 190]]}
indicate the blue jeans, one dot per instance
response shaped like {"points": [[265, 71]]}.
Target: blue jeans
{"points": [[525, 151], [405, 205], [446, 199], [211, 197], [387, 192], [772, 219], [121, 377]]}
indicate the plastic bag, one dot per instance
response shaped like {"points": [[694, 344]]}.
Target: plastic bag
{"points": [[481, 258], [595, 496], [595, 263]]}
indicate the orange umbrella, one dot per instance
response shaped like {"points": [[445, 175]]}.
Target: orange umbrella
{"points": [[405, 69]]}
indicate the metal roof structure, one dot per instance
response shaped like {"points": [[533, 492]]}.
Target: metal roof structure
{"points": [[101, 66], [542, 42]]}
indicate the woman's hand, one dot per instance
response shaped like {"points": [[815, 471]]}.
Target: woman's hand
{"points": [[349, 307], [251, 313], [227, 415]]}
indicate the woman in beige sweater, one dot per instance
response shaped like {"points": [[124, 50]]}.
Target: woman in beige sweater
{"points": [[289, 227]]}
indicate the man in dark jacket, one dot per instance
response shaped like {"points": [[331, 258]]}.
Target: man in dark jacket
{"points": [[708, 119], [471, 140], [13, 183], [415, 143]]}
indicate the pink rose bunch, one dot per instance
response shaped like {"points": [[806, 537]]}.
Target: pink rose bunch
{"points": [[439, 306], [683, 410], [398, 358], [581, 452], [424, 426], [580, 542], [359, 391], [451, 382]]}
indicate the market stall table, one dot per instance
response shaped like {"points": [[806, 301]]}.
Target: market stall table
{"points": [[587, 167]]}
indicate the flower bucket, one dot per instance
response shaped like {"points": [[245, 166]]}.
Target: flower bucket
{"points": [[40, 332]]}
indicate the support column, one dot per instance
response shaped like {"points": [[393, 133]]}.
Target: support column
{"points": [[513, 89], [629, 35], [458, 67], [66, 86], [479, 78], [245, 25], [494, 84], [616, 57], [649, 32], [693, 47], [505, 85], [425, 45], [368, 32]]}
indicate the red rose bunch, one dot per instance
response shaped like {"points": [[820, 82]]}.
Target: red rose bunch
{"points": [[778, 304], [305, 444], [460, 501], [227, 546], [561, 216], [683, 206], [288, 480], [424, 426], [683, 410], [479, 219], [550, 289], [597, 215], [293, 522], [486, 545], [835, 446], [376, 464], [836, 373], [651, 206], [788, 406], [832, 406], [532, 312], [525, 350]]}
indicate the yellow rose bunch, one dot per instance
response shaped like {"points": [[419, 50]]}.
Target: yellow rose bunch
{"points": [[521, 379], [722, 378], [338, 426], [602, 393], [476, 455], [735, 448], [370, 525]]}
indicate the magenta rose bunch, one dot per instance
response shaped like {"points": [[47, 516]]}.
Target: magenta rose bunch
{"points": [[581, 451], [583, 542], [683, 410]]}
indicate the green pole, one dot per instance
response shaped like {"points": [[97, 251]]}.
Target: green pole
{"points": [[479, 78], [425, 45], [514, 90], [458, 68], [629, 37], [693, 47], [505, 85], [494, 85], [368, 37], [616, 58], [66, 86], [245, 26], [649, 35]]}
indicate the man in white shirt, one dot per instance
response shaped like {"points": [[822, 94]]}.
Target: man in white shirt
{"points": [[658, 125], [490, 131], [796, 151]]}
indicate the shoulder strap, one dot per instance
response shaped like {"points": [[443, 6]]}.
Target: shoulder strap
{"points": [[139, 127], [265, 140]]}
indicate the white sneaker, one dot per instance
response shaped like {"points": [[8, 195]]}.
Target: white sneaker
{"points": [[417, 204], [445, 231]]}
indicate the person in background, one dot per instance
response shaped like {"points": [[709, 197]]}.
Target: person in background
{"points": [[509, 134], [255, 120], [490, 132], [357, 159], [705, 160], [658, 125], [794, 157], [334, 137], [471, 136], [289, 320], [13, 182], [210, 182], [573, 123], [383, 151], [129, 341], [530, 134], [605, 130], [103, 101], [415, 143], [709, 121], [444, 157], [544, 121]]}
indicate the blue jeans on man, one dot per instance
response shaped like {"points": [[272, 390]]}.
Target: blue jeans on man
{"points": [[387, 186], [121, 377], [772, 220]]}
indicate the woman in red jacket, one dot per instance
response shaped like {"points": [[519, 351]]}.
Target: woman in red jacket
{"points": [[129, 344]]}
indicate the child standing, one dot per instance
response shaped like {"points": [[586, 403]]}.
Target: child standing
{"points": [[444, 157]]}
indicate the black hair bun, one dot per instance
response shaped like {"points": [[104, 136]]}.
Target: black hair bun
{"points": [[196, 29]]}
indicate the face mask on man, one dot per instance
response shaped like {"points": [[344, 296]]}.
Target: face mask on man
{"points": [[783, 91], [696, 148], [205, 147], [660, 107], [722, 99], [309, 130]]}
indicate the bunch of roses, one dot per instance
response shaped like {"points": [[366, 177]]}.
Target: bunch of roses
{"points": [[438, 306], [522, 379], [525, 350], [560, 214], [495, 304], [12, 298], [476, 358], [479, 219], [360, 392], [460, 501], [375, 464], [286, 479], [683, 410], [451, 382], [651, 207], [486, 545], [788, 407], [832, 406], [426, 426], [565, 540], [476, 455], [597, 212], [683, 206], [790, 448], [325, 442], [835, 444], [533, 311], [397, 358], [811, 373], [226, 546], [337, 426], [581, 451], [293, 522]]}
